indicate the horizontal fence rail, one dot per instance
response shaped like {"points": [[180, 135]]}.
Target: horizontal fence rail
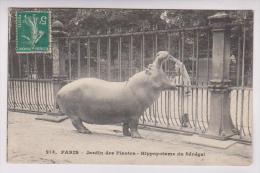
{"points": [[116, 57]]}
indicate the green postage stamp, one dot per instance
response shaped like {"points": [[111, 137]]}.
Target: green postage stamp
{"points": [[33, 32]]}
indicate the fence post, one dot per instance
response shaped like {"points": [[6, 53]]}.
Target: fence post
{"points": [[58, 60], [220, 123]]}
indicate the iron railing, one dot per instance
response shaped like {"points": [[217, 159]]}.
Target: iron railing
{"points": [[117, 56]]}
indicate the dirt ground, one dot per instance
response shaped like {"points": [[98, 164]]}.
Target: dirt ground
{"points": [[36, 141]]}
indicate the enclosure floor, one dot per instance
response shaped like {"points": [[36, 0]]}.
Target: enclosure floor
{"points": [[29, 140]]}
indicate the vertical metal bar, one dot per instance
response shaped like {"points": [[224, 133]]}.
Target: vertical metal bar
{"points": [[79, 63], [44, 84], [143, 52], [174, 105], [236, 111], [179, 46], [197, 57], [69, 43], [182, 82], [13, 91], [242, 82], [161, 107], [208, 47], [242, 114], [168, 48], [192, 108], [131, 55], [20, 83], [178, 100], [182, 46], [197, 97], [169, 92], [32, 87], [243, 57], [29, 83], [193, 57], [40, 95], [9, 106], [150, 114], [207, 94], [11, 86], [37, 90], [44, 66], [11, 66], [88, 52], [156, 44], [202, 103], [238, 61], [166, 104], [38, 81], [120, 58], [24, 86], [16, 106], [45, 96], [98, 58], [19, 67], [238, 77], [170, 116], [192, 81], [9, 98], [27, 94], [168, 42], [109, 58], [155, 117], [50, 96], [248, 112], [179, 81], [169, 109], [157, 113]]}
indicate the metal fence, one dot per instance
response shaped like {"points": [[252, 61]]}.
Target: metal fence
{"points": [[117, 56]]}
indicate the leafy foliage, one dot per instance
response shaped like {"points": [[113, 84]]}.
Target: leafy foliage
{"points": [[83, 21]]}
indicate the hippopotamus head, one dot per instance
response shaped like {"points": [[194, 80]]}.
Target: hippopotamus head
{"points": [[156, 74], [148, 84]]}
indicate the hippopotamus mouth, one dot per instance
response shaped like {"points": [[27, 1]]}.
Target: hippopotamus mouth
{"points": [[173, 67]]}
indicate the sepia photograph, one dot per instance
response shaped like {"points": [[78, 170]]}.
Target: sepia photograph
{"points": [[130, 86]]}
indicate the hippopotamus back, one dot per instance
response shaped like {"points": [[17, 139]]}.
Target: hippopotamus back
{"points": [[97, 101]]}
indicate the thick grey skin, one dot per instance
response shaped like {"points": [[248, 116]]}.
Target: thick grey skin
{"points": [[96, 101]]}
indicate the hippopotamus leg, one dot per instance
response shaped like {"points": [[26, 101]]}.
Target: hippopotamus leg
{"points": [[133, 123], [126, 131], [77, 123]]}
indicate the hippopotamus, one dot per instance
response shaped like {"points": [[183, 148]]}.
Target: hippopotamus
{"points": [[97, 101]]}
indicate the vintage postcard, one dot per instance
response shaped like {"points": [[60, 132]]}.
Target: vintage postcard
{"points": [[130, 86]]}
